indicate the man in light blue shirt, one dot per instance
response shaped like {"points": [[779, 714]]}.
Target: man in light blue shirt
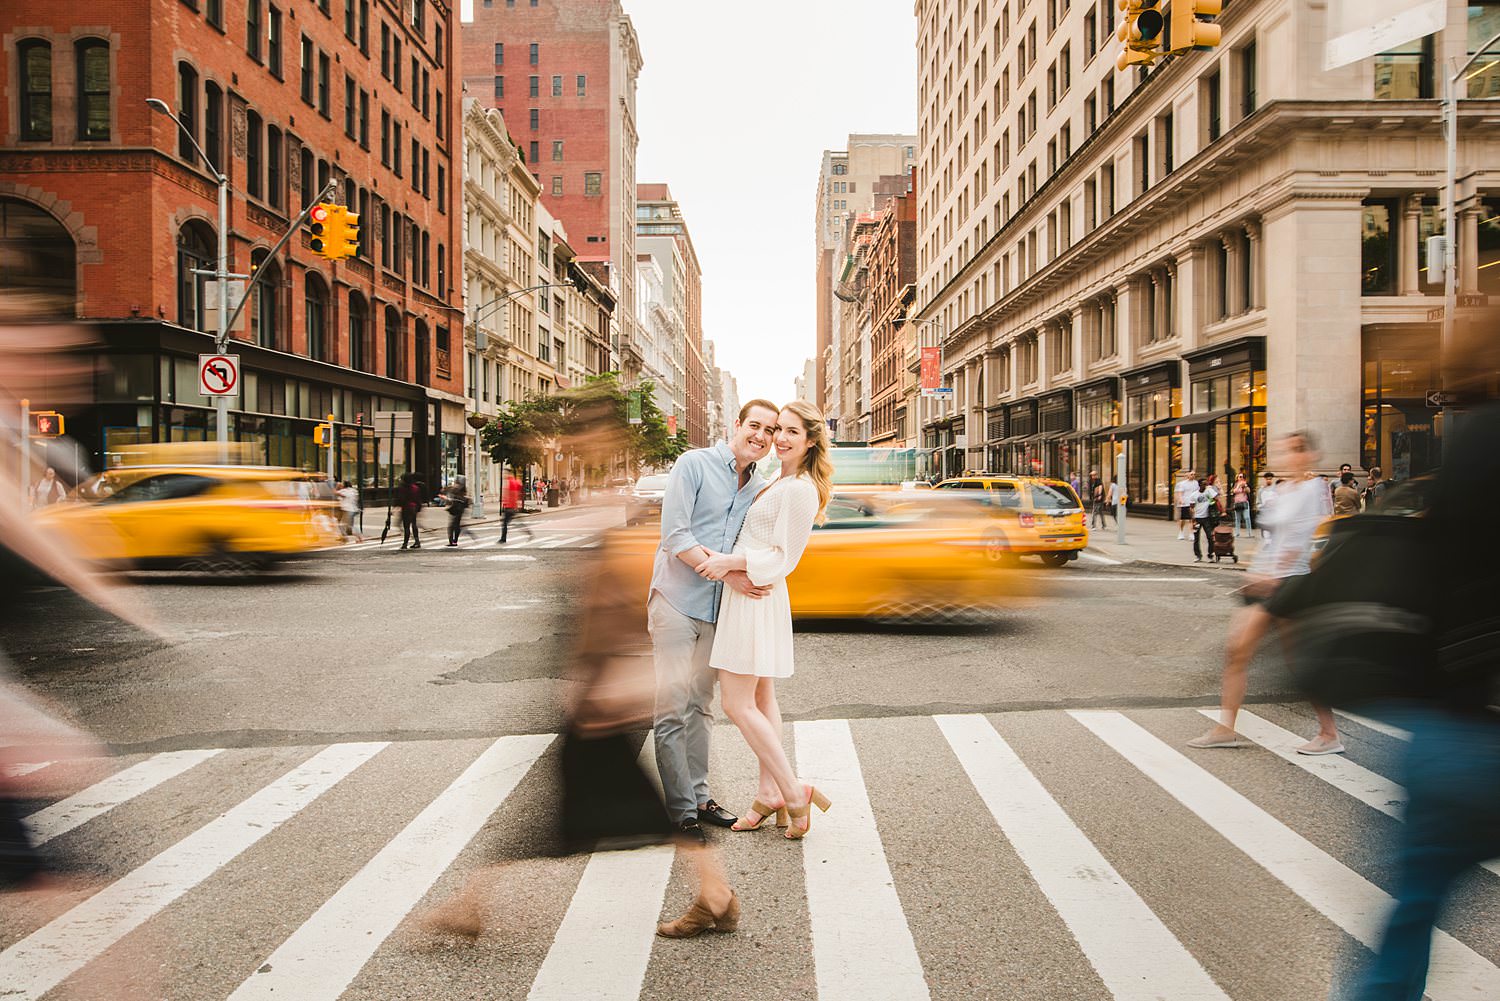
{"points": [[708, 495]]}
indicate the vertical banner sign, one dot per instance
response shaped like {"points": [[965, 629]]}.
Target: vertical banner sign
{"points": [[932, 373], [633, 407], [671, 424]]}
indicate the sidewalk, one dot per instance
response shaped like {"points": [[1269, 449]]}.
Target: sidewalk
{"points": [[1154, 540]]}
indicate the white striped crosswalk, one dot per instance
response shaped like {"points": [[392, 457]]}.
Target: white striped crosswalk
{"points": [[485, 535], [862, 893]]}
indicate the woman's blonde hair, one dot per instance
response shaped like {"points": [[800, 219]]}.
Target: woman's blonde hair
{"points": [[817, 463]]}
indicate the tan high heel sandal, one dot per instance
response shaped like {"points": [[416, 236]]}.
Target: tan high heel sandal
{"points": [[765, 813], [814, 798]]}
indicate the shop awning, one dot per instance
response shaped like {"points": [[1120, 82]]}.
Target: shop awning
{"points": [[1125, 429], [1194, 423]]}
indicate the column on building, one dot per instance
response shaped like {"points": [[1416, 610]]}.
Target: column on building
{"points": [[1468, 249], [1190, 294], [1411, 224], [1255, 296], [1126, 323]]}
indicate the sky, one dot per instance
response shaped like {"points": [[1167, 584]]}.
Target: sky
{"points": [[735, 106]]}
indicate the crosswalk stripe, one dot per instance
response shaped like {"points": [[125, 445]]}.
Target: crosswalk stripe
{"points": [[862, 945], [1130, 948], [16, 771], [326, 953], [1340, 894], [1375, 724], [558, 543], [603, 946], [106, 794], [57, 950]]}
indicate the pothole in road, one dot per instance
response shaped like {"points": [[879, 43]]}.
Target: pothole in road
{"points": [[538, 659]]}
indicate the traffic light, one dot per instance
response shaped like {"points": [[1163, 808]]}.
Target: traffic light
{"points": [[317, 224], [341, 233], [46, 424], [1188, 30], [1140, 32]]}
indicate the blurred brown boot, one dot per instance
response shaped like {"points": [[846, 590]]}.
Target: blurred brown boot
{"points": [[700, 918]]}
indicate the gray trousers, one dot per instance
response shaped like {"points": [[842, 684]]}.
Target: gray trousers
{"points": [[684, 697]]}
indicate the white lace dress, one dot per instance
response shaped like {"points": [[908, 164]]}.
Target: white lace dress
{"points": [[754, 635]]}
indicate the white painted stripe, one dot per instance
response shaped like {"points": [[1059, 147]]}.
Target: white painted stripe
{"points": [[1370, 788], [1375, 724], [1096, 558], [1068, 578], [603, 946], [1338, 893], [106, 794], [862, 946], [57, 950], [16, 771], [323, 957], [558, 543], [1133, 952], [530, 541]]}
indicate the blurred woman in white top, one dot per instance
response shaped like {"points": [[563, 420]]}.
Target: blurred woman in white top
{"points": [[1302, 504], [753, 641]]}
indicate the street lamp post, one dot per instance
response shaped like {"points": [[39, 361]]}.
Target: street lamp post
{"points": [[1450, 209], [938, 342], [221, 273]]}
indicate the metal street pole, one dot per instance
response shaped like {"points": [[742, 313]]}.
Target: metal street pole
{"points": [[221, 342], [1450, 215], [1120, 494]]}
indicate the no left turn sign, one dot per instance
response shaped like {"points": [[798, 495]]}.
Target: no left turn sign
{"points": [[219, 375]]}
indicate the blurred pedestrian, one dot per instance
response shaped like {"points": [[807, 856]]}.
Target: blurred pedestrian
{"points": [[1182, 493], [409, 499], [1263, 502], [1073, 482], [348, 497], [458, 503], [511, 495], [1374, 489], [1115, 496], [48, 490], [1096, 500], [1205, 502], [1240, 497], [1300, 508], [1345, 496]]}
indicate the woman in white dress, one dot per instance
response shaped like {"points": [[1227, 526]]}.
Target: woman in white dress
{"points": [[753, 638]]}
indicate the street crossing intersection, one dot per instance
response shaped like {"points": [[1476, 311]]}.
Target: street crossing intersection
{"points": [[1046, 854]]}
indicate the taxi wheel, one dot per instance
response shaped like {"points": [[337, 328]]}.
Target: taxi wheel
{"points": [[1055, 560], [997, 549]]}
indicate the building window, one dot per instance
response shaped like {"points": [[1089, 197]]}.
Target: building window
{"points": [[349, 20], [1378, 247], [396, 147], [213, 13], [499, 53], [1429, 223], [395, 348], [254, 130], [93, 92], [317, 318], [582, 85], [359, 327], [273, 41], [1489, 246], [213, 125], [273, 167], [1248, 96], [265, 300], [1484, 24], [385, 138], [187, 112], [364, 119], [351, 108], [325, 106], [196, 249], [535, 154], [1405, 73], [364, 27], [536, 54], [253, 28], [557, 85], [556, 186], [557, 150], [1213, 97], [1065, 67], [307, 177], [593, 183], [536, 119], [535, 87], [499, 88], [1165, 138], [442, 187], [307, 70]]}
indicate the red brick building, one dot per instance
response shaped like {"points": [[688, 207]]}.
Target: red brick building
{"points": [[110, 209], [563, 73], [893, 275]]}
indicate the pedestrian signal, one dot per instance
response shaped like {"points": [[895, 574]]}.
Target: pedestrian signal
{"points": [[1140, 32], [323, 434], [317, 224], [1188, 30], [46, 423]]}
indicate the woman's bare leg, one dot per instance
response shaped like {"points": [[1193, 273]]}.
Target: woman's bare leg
{"points": [[738, 692], [765, 701]]}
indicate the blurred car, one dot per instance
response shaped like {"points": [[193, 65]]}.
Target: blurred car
{"points": [[879, 555], [1402, 499], [915, 485], [1041, 516], [216, 518], [643, 502]]}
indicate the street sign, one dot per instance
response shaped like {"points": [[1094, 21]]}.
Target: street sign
{"points": [[633, 407], [393, 422], [1437, 399], [211, 295], [219, 375]]}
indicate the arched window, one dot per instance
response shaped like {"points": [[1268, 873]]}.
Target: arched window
{"points": [[424, 350], [213, 124], [196, 244], [35, 58], [93, 90], [317, 317], [187, 112], [273, 166], [395, 344], [254, 161], [265, 301], [307, 177], [359, 333], [37, 258]]}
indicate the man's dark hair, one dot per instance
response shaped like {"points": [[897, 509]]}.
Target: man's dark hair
{"points": [[1374, 472], [1344, 467], [1347, 478]]}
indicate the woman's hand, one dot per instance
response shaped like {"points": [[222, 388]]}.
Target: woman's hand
{"points": [[719, 564]]}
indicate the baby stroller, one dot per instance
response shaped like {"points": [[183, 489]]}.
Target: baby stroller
{"points": [[1222, 543]]}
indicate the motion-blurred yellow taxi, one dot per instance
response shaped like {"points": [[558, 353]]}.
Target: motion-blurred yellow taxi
{"points": [[882, 555], [1039, 516], [198, 517]]}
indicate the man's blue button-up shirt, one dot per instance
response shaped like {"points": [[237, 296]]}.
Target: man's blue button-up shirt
{"points": [[704, 506]]}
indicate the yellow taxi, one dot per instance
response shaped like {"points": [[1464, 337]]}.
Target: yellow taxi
{"points": [[1039, 516], [202, 517], [879, 555]]}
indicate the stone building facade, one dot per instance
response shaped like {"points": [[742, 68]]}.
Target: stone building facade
{"points": [[1177, 264]]}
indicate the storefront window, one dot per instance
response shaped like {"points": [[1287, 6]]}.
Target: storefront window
{"points": [[1377, 249], [1405, 72], [1397, 430], [1489, 246], [1484, 24]]}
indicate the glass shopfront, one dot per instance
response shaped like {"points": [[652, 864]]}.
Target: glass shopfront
{"points": [[1399, 432], [1021, 422], [995, 431], [1096, 408], [1225, 432], [1151, 395], [1055, 417]]}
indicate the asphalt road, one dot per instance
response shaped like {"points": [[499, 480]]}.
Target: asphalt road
{"points": [[314, 758]]}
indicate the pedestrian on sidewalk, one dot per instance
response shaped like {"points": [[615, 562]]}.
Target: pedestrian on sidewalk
{"points": [[48, 490], [1345, 496], [1205, 516], [458, 503], [1182, 493], [348, 497], [1263, 502], [1374, 488], [511, 496], [1096, 500], [409, 499], [1300, 508], [1115, 496], [1240, 497]]}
